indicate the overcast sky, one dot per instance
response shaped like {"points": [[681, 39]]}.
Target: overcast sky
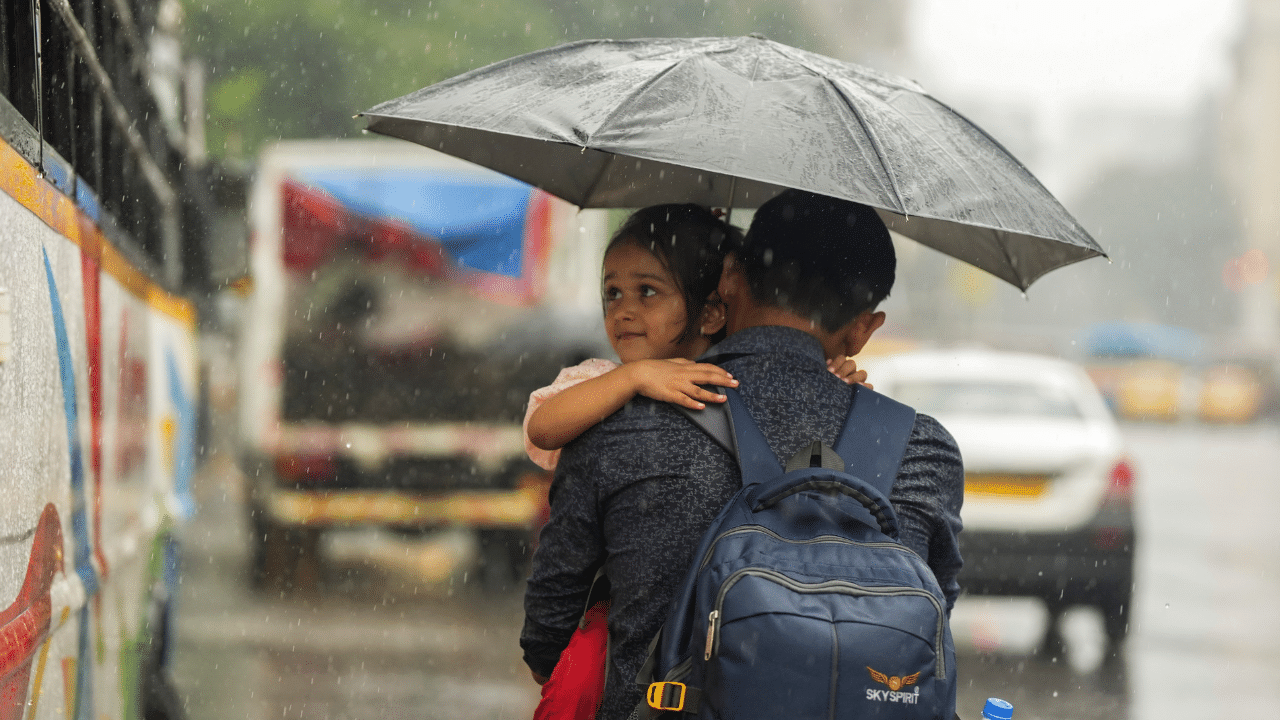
{"points": [[1152, 53]]}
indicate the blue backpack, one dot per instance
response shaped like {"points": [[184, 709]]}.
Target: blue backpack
{"points": [[801, 602]]}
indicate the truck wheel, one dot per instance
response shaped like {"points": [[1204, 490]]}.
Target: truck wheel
{"points": [[265, 542], [503, 558], [283, 558]]}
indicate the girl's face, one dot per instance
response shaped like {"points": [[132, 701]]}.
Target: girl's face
{"points": [[644, 310]]}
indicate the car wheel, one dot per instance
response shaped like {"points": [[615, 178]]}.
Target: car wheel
{"points": [[1052, 644], [1114, 605]]}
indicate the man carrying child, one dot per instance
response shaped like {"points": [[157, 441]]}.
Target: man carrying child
{"points": [[635, 493]]}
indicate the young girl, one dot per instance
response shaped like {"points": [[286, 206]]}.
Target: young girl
{"points": [[658, 287], [660, 311]]}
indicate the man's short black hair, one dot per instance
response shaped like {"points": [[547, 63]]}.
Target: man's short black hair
{"points": [[819, 257]]}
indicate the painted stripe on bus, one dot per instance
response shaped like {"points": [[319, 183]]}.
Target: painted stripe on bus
{"points": [[66, 370], [79, 519], [21, 181]]}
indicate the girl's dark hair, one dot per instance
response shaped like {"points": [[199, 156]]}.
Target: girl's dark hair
{"points": [[690, 242]]}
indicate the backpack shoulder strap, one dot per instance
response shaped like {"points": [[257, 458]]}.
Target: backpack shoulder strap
{"points": [[731, 426], [755, 457], [871, 443], [715, 421], [874, 438]]}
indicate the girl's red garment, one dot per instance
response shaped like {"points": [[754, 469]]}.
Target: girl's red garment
{"points": [[577, 682]]}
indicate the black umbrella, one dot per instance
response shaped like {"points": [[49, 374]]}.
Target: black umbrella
{"points": [[730, 122]]}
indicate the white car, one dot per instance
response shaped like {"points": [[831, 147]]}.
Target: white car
{"points": [[1048, 493]]}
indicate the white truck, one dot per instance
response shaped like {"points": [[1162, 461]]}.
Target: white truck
{"points": [[404, 304]]}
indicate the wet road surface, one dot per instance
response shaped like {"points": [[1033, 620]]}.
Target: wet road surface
{"points": [[400, 630]]}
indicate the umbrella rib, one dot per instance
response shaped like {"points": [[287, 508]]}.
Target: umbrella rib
{"points": [[1004, 250], [1028, 176], [595, 181], [803, 59], [875, 143], [631, 96], [1062, 264], [755, 68]]}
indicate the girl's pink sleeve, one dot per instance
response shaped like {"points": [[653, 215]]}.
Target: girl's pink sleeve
{"points": [[568, 377]]}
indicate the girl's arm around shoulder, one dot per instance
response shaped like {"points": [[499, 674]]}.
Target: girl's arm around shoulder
{"points": [[568, 377], [564, 416]]}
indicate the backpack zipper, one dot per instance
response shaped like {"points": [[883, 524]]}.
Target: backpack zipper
{"points": [[829, 586], [711, 632], [820, 539]]}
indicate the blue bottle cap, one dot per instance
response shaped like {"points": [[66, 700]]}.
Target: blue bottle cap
{"points": [[997, 709]]}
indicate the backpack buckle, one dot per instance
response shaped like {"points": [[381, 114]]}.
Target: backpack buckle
{"points": [[663, 696]]}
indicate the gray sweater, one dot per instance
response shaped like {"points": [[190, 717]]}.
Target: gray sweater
{"points": [[636, 492]]}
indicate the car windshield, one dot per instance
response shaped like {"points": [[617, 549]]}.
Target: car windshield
{"points": [[956, 397]]}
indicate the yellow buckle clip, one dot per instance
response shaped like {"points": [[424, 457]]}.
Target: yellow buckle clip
{"points": [[658, 693]]}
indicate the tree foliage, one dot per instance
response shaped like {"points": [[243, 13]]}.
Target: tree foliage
{"points": [[303, 68]]}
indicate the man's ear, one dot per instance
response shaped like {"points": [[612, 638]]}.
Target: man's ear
{"points": [[713, 315], [730, 277], [860, 329]]}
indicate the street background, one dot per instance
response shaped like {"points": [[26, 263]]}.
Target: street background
{"points": [[401, 630], [1156, 125]]}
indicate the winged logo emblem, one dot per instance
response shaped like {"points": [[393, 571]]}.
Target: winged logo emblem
{"points": [[895, 683]]}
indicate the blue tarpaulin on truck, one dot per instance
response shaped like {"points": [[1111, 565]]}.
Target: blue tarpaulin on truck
{"points": [[478, 220]]}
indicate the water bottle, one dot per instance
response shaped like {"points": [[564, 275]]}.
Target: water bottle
{"points": [[997, 709]]}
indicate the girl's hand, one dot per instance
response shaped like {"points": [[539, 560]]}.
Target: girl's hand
{"points": [[676, 381], [847, 370]]}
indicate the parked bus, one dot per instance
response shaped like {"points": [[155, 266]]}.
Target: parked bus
{"points": [[102, 204]]}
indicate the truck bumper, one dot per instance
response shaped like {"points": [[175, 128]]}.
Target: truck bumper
{"points": [[521, 508]]}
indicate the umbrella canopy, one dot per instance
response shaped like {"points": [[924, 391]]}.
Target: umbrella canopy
{"points": [[731, 122]]}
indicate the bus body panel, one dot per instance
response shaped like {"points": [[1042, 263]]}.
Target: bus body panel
{"points": [[97, 425]]}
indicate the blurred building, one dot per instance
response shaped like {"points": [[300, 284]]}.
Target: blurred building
{"points": [[1251, 160], [1135, 160]]}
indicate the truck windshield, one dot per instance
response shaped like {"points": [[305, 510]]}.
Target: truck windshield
{"points": [[374, 341]]}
